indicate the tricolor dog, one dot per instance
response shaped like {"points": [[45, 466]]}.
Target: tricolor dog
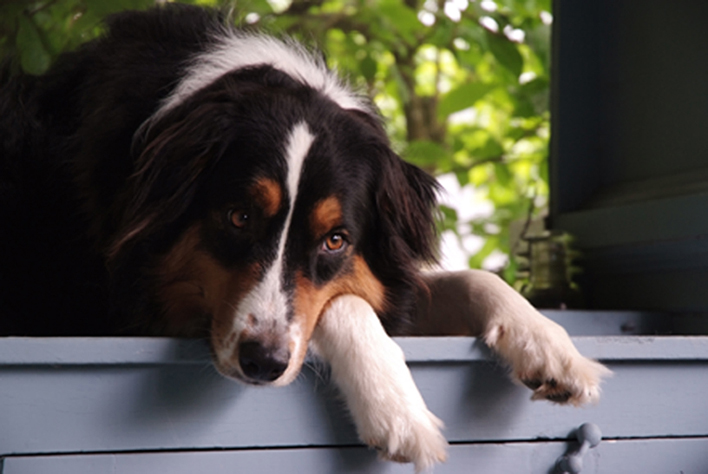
{"points": [[180, 177]]}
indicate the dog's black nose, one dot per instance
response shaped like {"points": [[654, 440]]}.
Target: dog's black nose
{"points": [[262, 363]]}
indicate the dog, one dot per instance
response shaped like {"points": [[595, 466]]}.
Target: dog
{"points": [[180, 177]]}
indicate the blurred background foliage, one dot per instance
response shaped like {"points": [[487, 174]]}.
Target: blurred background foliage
{"points": [[464, 85]]}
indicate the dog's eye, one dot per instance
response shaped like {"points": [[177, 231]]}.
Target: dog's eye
{"points": [[334, 243], [238, 218]]}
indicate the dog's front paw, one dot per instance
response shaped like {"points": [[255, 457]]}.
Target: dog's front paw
{"points": [[405, 434], [542, 357], [370, 370]]}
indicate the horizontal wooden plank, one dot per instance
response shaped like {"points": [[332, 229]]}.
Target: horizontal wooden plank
{"points": [[22, 351], [17, 351], [469, 459], [146, 405], [609, 348], [62, 351], [656, 456]]}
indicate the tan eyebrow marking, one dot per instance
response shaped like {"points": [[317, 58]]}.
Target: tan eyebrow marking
{"points": [[326, 215], [268, 194]]}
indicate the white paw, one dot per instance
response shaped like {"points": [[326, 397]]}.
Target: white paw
{"points": [[389, 412], [405, 434], [370, 370], [542, 357]]}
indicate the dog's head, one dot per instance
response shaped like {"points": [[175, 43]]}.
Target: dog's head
{"points": [[263, 198]]}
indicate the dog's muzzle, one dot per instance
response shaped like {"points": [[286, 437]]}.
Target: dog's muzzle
{"points": [[262, 363]]}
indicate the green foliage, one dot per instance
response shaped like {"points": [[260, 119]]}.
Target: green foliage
{"points": [[463, 97], [464, 85], [34, 33], [33, 55]]}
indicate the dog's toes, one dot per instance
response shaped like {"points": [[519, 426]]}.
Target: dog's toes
{"points": [[542, 357], [576, 383], [417, 440], [553, 395], [533, 384], [562, 397]]}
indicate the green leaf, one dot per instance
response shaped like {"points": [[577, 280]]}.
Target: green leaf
{"points": [[34, 58], [506, 53], [102, 8], [442, 35], [463, 97], [543, 170], [368, 68], [463, 177], [502, 195], [524, 108], [403, 19], [479, 175], [491, 149], [449, 219], [502, 173], [535, 86], [425, 153]]}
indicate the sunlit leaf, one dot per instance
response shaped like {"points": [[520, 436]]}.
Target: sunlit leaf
{"points": [[505, 52], [463, 97], [402, 18], [479, 175], [503, 174], [368, 67], [424, 153], [491, 149]]}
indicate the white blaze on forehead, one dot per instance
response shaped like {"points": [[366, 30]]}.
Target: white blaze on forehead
{"points": [[267, 302], [236, 50], [299, 143]]}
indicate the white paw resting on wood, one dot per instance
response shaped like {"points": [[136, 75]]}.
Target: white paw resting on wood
{"points": [[542, 357], [370, 370]]}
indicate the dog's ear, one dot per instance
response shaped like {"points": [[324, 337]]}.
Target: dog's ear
{"points": [[172, 157], [406, 198]]}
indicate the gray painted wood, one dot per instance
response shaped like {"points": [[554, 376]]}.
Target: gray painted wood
{"points": [[63, 352], [662, 456], [88, 351], [153, 394]]}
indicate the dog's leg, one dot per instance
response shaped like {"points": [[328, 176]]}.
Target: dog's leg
{"points": [[538, 351], [370, 370]]}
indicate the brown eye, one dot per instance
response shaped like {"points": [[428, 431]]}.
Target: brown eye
{"points": [[238, 218], [334, 243]]}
